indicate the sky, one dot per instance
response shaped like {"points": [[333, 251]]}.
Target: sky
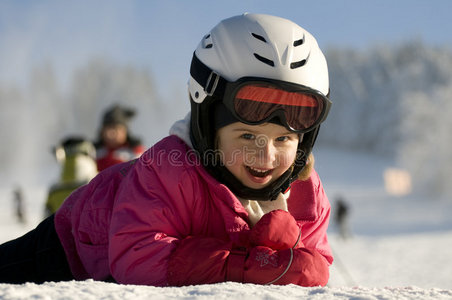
{"points": [[161, 35]]}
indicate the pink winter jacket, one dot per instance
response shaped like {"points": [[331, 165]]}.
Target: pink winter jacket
{"points": [[128, 221]]}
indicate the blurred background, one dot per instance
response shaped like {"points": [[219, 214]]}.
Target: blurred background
{"points": [[383, 153]]}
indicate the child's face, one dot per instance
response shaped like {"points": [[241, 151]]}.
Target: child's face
{"points": [[114, 136], [257, 154]]}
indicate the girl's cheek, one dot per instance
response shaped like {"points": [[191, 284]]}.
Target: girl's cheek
{"points": [[233, 157], [286, 159]]}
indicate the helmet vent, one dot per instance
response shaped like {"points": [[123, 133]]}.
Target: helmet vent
{"points": [[259, 37], [298, 64], [298, 42], [207, 43], [265, 60]]}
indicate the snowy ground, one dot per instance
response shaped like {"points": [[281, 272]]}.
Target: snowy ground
{"points": [[399, 248]]}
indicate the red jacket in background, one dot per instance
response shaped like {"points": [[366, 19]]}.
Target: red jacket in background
{"points": [[108, 157]]}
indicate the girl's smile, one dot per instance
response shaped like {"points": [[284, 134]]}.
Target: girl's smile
{"points": [[259, 175], [257, 154]]}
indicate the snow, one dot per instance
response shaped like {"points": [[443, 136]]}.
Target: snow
{"points": [[399, 247], [99, 290]]}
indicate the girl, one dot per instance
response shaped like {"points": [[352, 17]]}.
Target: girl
{"points": [[230, 195]]}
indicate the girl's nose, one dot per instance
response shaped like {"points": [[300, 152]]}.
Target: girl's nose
{"points": [[266, 154]]}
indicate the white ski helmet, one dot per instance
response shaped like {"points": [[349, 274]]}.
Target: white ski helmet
{"points": [[260, 49]]}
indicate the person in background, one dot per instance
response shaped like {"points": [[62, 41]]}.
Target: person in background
{"points": [[115, 143], [76, 157], [18, 199], [342, 214]]}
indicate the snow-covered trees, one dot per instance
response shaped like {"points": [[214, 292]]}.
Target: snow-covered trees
{"points": [[426, 144], [395, 101], [36, 117], [100, 84]]}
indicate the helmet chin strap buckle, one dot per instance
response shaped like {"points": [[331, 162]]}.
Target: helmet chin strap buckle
{"points": [[212, 83]]}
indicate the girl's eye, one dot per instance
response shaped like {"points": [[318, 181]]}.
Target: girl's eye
{"points": [[282, 138], [247, 136]]}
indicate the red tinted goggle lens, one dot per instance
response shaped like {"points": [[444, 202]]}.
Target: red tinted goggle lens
{"points": [[255, 103]]}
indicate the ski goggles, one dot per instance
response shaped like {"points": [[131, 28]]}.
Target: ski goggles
{"points": [[254, 100]]}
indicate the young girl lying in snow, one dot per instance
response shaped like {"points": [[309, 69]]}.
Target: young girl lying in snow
{"points": [[230, 195]]}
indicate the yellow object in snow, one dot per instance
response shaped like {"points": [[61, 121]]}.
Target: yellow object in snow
{"points": [[78, 167]]}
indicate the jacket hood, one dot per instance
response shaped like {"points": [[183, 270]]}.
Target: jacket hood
{"points": [[181, 129]]}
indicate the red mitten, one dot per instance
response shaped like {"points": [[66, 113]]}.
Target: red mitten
{"points": [[204, 260], [297, 266], [277, 230]]}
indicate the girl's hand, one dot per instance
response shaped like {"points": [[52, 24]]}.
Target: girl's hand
{"points": [[205, 260], [290, 266], [277, 230]]}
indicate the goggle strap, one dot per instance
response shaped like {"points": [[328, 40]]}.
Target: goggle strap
{"points": [[206, 77]]}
